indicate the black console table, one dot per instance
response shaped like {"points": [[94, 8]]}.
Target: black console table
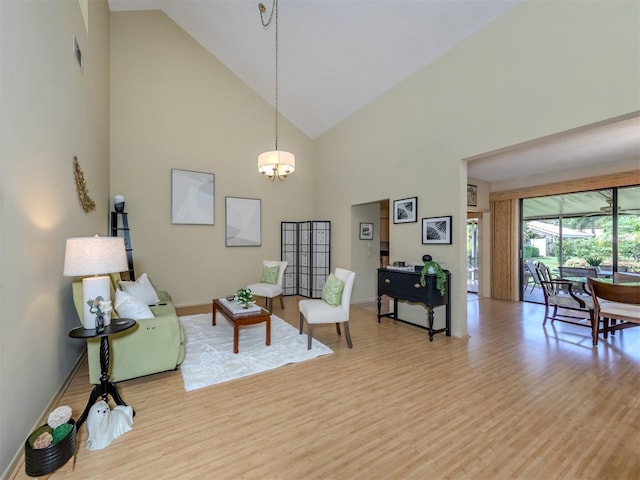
{"points": [[105, 388], [403, 285]]}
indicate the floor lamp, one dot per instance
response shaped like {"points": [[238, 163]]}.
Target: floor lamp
{"points": [[92, 258]]}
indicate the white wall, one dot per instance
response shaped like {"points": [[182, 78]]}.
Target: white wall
{"points": [[50, 112], [174, 105], [542, 68]]}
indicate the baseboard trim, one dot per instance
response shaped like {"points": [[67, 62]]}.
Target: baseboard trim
{"points": [[193, 309]]}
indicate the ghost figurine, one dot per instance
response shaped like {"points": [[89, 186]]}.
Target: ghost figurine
{"points": [[105, 425]]}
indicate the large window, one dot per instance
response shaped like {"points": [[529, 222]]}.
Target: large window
{"points": [[599, 228]]}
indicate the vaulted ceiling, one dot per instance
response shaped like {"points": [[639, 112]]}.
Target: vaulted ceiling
{"points": [[336, 56]]}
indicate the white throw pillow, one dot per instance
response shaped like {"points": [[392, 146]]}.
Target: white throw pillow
{"points": [[141, 289], [128, 306]]}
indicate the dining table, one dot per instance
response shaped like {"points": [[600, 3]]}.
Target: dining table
{"points": [[581, 283]]}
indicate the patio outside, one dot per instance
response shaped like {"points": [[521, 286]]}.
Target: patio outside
{"points": [[576, 232]]}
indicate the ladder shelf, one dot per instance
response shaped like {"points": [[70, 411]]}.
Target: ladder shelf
{"points": [[115, 229]]}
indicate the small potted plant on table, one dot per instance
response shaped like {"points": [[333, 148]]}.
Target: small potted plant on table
{"points": [[431, 267], [244, 297]]}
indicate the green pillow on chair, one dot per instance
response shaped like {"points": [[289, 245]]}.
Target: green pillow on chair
{"points": [[332, 290], [270, 275]]}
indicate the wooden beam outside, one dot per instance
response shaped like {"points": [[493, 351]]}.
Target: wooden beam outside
{"points": [[623, 179]]}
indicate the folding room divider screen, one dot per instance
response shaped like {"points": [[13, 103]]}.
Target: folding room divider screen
{"points": [[307, 248]]}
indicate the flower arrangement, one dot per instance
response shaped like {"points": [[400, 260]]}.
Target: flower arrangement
{"points": [[244, 297], [100, 307]]}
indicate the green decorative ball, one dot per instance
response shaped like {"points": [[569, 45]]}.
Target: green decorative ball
{"points": [[60, 432]]}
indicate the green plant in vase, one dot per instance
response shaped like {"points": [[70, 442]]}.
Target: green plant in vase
{"points": [[244, 297], [593, 261], [431, 267]]}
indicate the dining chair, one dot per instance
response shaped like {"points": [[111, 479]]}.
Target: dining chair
{"points": [[558, 294], [318, 311], [530, 268], [614, 301], [624, 277], [579, 277], [578, 271], [609, 268], [270, 283]]}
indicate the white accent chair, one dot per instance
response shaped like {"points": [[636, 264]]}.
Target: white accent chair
{"points": [[269, 290], [318, 311]]}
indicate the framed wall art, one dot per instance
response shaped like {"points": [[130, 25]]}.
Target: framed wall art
{"points": [[472, 196], [192, 197], [243, 222], [436, 230], [366, 231], [405, 210]]}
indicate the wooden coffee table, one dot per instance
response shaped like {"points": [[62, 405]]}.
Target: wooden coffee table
{"points": [[238, 319]]}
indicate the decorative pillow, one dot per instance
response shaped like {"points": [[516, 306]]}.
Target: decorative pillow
{"points": [[270, 275], [332, 290], [141, 289], [129, 306]]}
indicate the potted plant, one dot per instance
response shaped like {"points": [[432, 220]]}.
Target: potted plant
{"points": [[431, 267], [593, 261]]}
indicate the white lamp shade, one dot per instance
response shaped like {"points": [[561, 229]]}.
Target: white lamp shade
{"points": [[94, 256], [276, 162]]}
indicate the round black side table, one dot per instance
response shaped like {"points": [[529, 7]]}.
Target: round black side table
{"points": [[105, 388]]}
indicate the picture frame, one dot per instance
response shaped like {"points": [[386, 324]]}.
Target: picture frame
{"points": [[366, 231], [243, 222], [192, 197], [405, 210], [472, 195], [436, 230]]}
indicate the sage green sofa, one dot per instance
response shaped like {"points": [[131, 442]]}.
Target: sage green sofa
{"points": [[153, 345]]}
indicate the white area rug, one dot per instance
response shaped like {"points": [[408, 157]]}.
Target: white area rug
{"points": [[209, 355]]}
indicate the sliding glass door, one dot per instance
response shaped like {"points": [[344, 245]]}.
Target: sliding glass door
{"points": [[627, 229], [599, 228]]}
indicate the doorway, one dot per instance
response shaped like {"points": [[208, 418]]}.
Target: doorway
{"points": [[472, 255], [369, 252]]}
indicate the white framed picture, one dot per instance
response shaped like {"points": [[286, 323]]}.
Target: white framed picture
{"points": [[192, 197], [436, 230], [242, 222], [405, 210], [366, 231]]}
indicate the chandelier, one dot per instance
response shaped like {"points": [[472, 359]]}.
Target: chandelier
{"points": [[276, 163]]}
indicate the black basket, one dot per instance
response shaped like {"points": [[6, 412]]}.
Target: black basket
{"points": [[43, 461]]}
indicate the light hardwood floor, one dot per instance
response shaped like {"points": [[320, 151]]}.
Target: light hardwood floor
{"points": [[515, 400]]}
